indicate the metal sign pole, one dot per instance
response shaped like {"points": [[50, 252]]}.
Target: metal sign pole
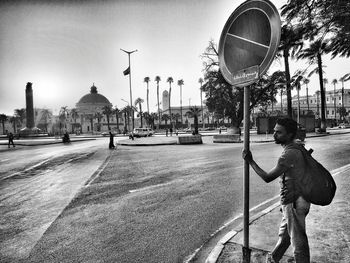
{"points": [[246, 249], [250, 36]]}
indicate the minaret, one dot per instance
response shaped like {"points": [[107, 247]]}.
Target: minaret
{"points": [[165, 100], [29, 106]]}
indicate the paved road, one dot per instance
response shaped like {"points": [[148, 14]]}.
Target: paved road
{"points": [[150, 204], [36, 184]]}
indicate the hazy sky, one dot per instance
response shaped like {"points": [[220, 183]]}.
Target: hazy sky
{"points": [[63, 47]]}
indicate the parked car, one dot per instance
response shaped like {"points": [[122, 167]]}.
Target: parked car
{"points": [[143, 132], [107, 133], [344, 125]]}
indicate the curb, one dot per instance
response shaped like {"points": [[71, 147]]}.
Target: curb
{"points": [[146, 144], [216, 252]]}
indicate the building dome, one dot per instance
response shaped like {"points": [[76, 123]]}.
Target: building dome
{"points": [[93, 97], [92, 103]]}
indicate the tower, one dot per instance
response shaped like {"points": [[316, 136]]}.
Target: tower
{"points": [[165, 100], [29, 129], [29, 106]]}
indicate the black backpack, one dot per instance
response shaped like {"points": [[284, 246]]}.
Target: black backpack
{"points": [[317, 185]]}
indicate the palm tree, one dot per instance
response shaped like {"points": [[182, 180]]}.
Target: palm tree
{"points": [[207, 116], [334, 82], [139, 101], [318, 102], [325, 81], [312, 53], [200, 81], [147, 118], [165, 118], [170, 80], [194, 113], [180, 83], [125, 111], [176, 116], [291, 43], [13, 120], [3, 118], [297, 84], [98, 116], [154, 116], [63, 117], [91, 118], [74, 114], [46, 115], [128, 111], [282, 92], [147, 80], [306, 82], [108, 111], [157, 79], [21, 114], [116, 111], [344, 78]]}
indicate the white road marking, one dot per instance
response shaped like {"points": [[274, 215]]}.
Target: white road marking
{"points": [[150, 187]]}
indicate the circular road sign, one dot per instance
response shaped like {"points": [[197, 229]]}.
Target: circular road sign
{"points": [[249, 41]]}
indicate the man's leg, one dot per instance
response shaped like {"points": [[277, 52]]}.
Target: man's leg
{"points": [[296, 214], [283, 239]]}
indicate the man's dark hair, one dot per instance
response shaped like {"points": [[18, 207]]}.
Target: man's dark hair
{"points": [[290, 125]]}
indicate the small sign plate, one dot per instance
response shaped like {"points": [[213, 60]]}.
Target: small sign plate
{"points": [[246, 75]]}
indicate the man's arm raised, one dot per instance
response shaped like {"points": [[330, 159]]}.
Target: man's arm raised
{"points": [[266, 176]]}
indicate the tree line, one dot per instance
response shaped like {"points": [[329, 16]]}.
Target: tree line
{"points": [[310, 29]]}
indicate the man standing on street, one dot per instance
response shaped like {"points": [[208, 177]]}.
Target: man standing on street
{"points": [[290, 168], [10, 136], [111, 140]]}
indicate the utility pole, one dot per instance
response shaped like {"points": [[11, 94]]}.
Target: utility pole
{"points": [[132, 111]]}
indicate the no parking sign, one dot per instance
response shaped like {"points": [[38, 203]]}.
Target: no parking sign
{"points": [[247, 47], [249, 42]]}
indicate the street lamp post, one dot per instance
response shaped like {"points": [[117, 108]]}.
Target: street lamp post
{"points": [[132, 111]]}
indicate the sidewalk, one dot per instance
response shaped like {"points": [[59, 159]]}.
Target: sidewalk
{"points": [[254, 138], [327, 227]]}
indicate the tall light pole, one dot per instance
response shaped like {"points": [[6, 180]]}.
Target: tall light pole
{"points": [[132, 111]]}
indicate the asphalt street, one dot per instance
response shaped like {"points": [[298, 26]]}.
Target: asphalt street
{"points": [[147, 204]]}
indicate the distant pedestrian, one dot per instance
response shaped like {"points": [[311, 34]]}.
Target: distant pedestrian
{"points": [[171, 131], [111, 140], [66, 138], [166, 132], [219, 130], [290, 168], [177, 132], [10, 136]]}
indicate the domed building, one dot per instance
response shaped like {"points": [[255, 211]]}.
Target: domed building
{"points": [[92, 102], [90, 110]]}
